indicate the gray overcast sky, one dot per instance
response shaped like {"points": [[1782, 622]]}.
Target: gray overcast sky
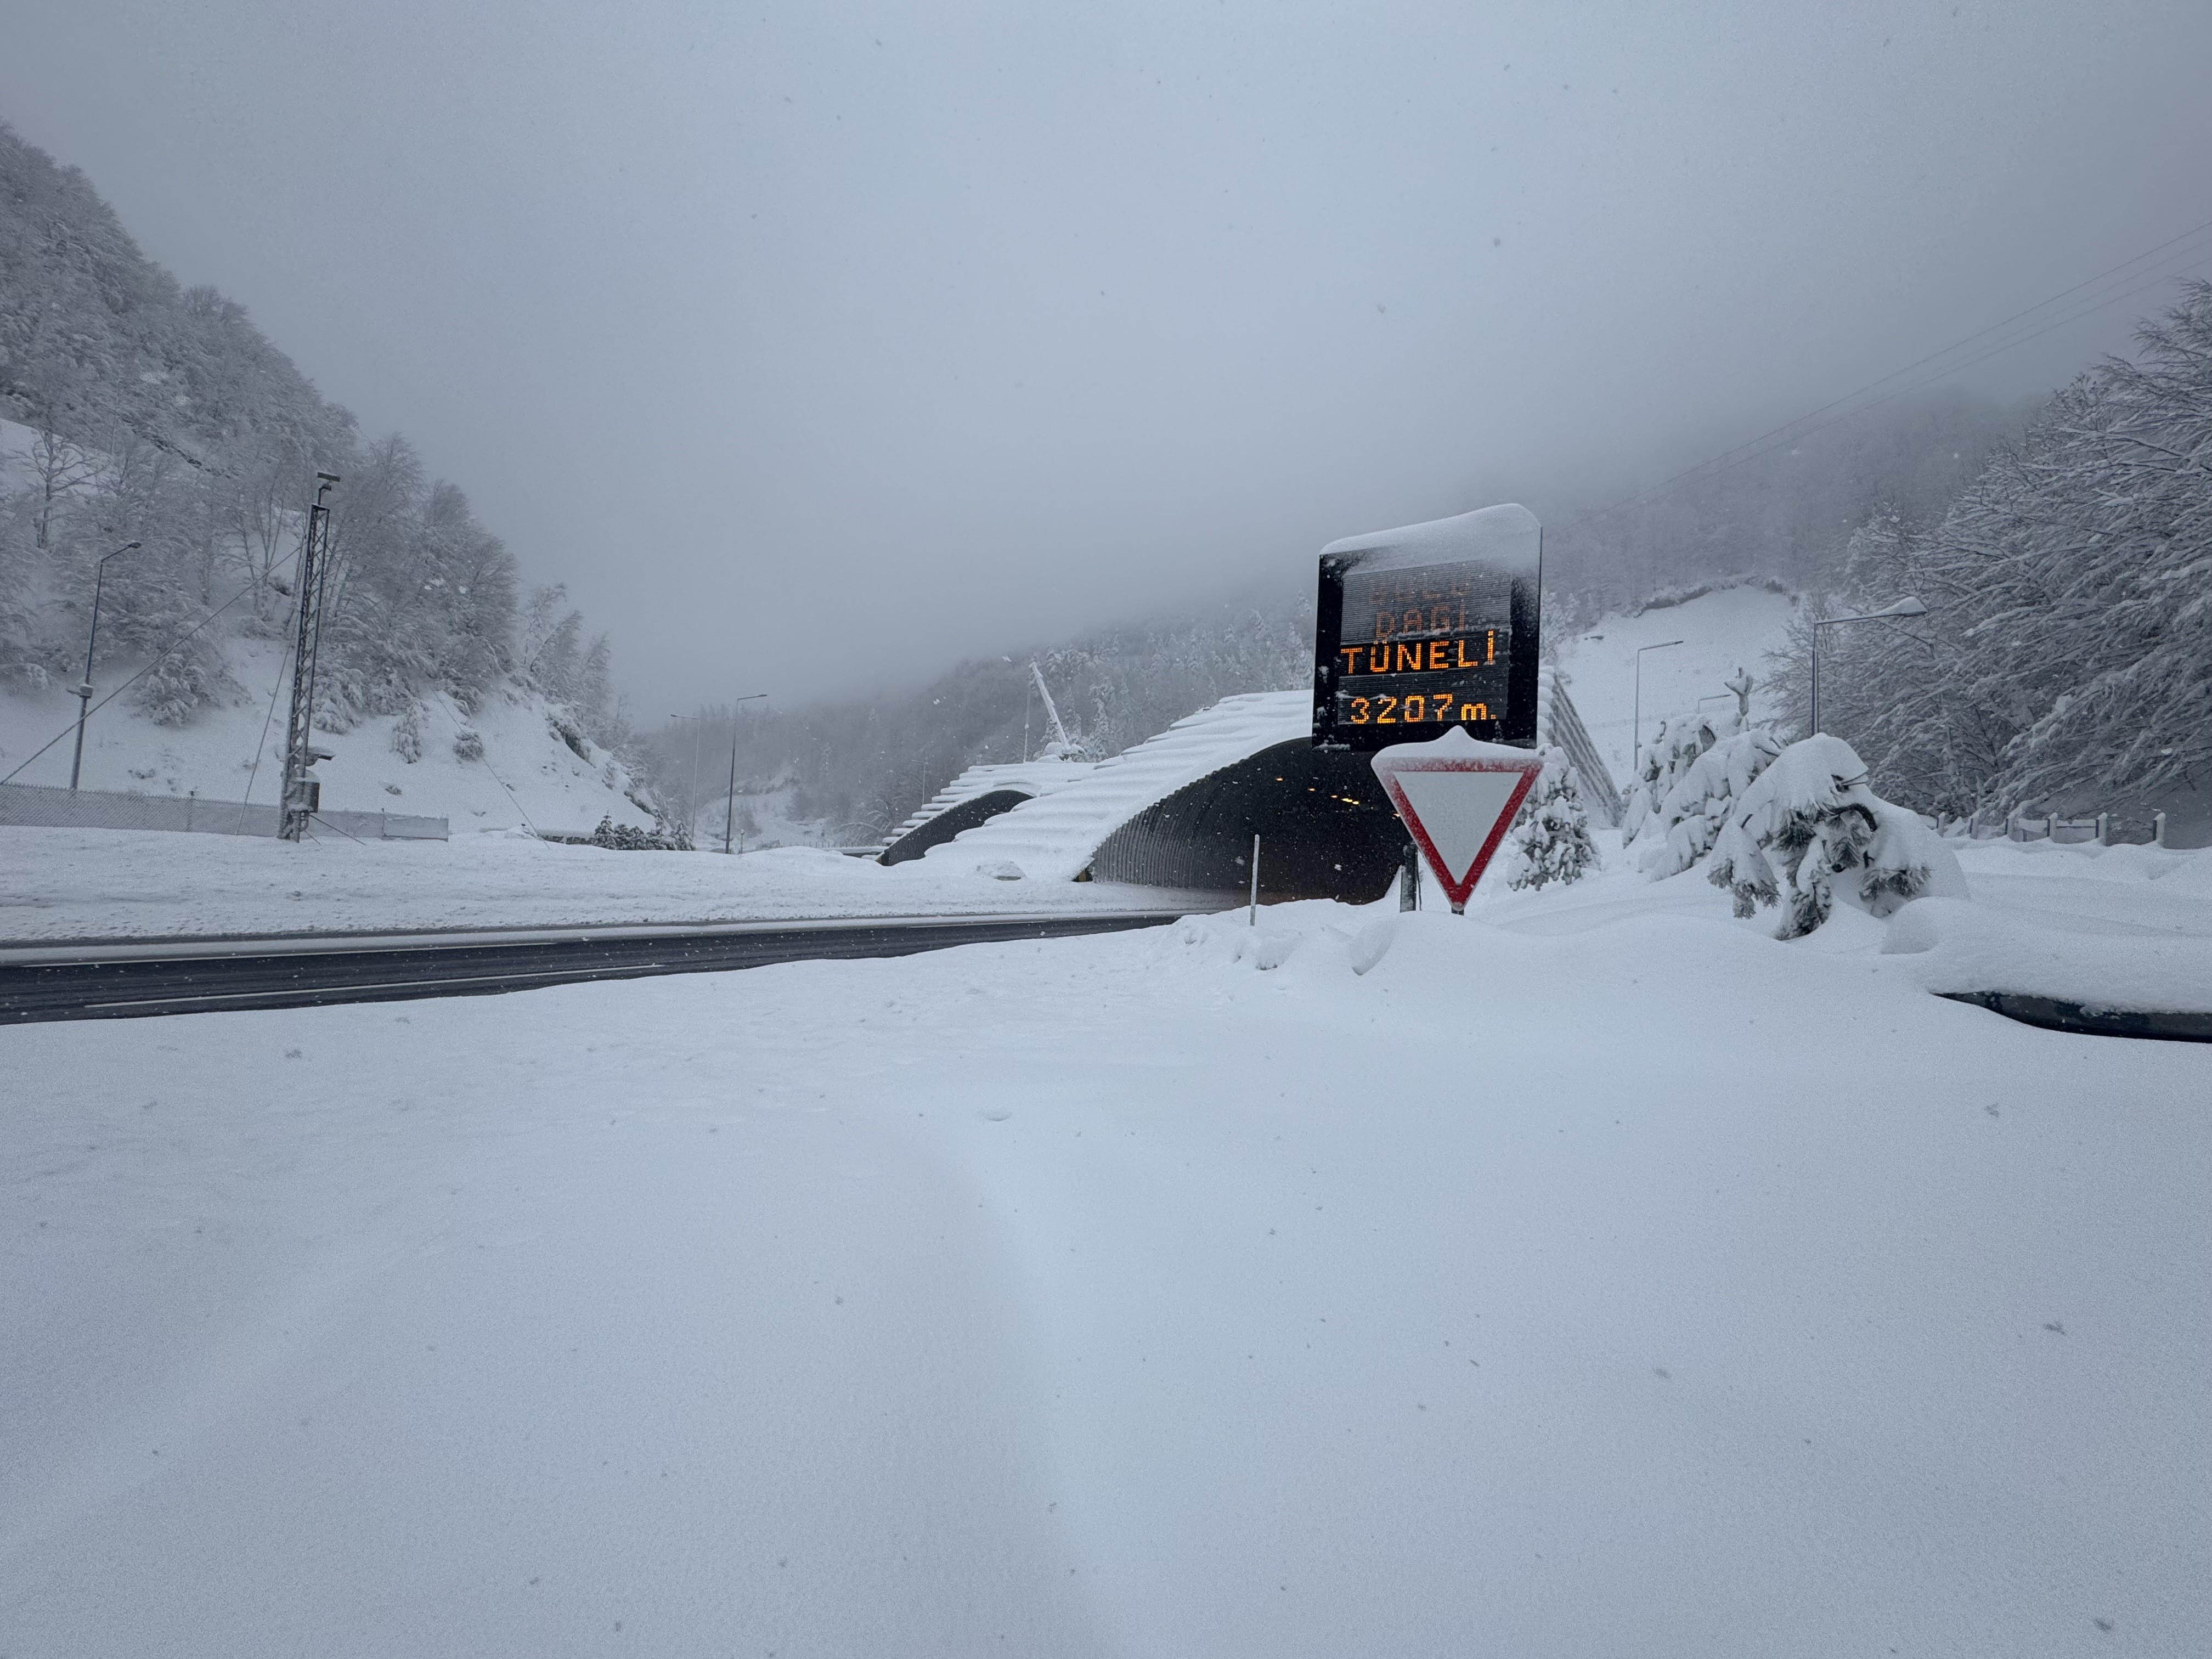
{"points": [[815, 346]]}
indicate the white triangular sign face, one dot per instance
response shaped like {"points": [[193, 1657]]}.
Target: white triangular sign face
{"points": [[1457, 797], [1459, 810]]}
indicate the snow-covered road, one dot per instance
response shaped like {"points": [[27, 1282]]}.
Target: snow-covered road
{"points": [[57, 884], [1637, 1286]]}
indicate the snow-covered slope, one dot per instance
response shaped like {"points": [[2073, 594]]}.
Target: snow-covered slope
{"points": [[528, 776], [1733, 627]]}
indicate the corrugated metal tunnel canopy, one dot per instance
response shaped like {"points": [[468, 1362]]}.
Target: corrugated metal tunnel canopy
{"points": [[935, 832], [1325, 831]]}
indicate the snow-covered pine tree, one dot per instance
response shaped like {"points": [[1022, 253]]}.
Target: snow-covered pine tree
{"points": [[1551, 837], [1808, 830], [1682, 828], [1660, 764]]}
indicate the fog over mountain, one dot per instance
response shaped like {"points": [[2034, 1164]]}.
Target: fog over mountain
{"points": [[815, 351]]}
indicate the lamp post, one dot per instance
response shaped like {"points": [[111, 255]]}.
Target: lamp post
{"points": [[1717, 697], [1636, 746], [84, 689], [730, 807], [1909, 605]]}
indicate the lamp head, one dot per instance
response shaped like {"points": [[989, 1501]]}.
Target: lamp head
{"points": [[1909, 605]]}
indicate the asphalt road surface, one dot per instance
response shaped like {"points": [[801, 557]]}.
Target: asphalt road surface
{"points": [[128, 981]]}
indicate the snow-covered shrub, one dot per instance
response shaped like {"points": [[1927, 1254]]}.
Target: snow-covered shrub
{"points": [[1660, 764], [563, 726], [1808, 829], [621, 837], [1683, 828], [407, 734], [468, 744], [181, 681], [1551, 837], [1689, 780]]}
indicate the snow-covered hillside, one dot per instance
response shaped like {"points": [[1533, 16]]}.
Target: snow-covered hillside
{"points": [[1729, 628], [529, 773]]}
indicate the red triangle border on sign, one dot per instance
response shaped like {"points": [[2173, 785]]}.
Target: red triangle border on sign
{"points": [[1458, 891]]}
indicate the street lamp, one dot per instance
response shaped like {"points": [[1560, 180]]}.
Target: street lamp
{"points": [[1637, 743], [1909, 605], [84, 689], [1717, 697], [730, 808]]}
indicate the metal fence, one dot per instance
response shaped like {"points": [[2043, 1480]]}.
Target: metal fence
{"points": [[38, 804], [1563, 725], [2105, 828]]}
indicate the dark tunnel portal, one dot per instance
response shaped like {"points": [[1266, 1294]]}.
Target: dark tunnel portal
{"points": [[1326, 829], [949, 823]]}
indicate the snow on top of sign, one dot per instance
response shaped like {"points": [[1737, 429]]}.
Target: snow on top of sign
{"points": [[1459, 791], [1458, 810], [1032, 778], [1054, 836], [1508, 535]]}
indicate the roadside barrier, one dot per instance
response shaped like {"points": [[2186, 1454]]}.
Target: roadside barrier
{"points": [[42, 806]]}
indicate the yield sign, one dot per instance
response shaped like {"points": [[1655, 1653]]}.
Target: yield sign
{"points": [[1456, 797]]}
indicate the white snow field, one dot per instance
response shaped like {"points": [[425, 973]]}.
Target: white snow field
{"points": [[1721, 631], [1591, 1275], [71, 884], [528, 775]]}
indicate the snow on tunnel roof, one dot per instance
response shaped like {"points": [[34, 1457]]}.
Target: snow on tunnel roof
{"points": [[1032, 778], [1507, 535], [1053, 837]]}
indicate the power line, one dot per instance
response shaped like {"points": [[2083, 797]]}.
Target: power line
{"points": [[165, 653], [2132, 282], [1713, 469]]}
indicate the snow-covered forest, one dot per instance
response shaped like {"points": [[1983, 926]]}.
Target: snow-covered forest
{"points": [[146, 411], [2065, 662]]}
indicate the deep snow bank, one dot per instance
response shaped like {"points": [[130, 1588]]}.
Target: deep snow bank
{"points": [[1572, 1280]]}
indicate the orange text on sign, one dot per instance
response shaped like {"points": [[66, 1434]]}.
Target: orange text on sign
{"points": [[1413, 710], [1420, 656]]}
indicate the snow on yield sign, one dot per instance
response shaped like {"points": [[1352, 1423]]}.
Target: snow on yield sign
{"points": [[1457, 796]]}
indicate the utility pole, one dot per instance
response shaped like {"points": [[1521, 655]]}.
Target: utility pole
{"points": [[303, 794], [730, 810], [1051, 710], [1636, 740], [84, 689]]}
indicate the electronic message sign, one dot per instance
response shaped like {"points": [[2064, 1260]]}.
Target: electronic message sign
{"points": [[1434, 626]]}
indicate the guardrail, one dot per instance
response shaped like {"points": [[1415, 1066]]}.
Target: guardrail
{"points": [[2105, 828], [41, 805]]}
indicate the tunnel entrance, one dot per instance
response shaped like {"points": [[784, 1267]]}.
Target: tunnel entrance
{"points": [[948, 824], [1326, 829]]}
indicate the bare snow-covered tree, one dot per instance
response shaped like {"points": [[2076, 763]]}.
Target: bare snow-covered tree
{"points": [[2066, 659]]}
